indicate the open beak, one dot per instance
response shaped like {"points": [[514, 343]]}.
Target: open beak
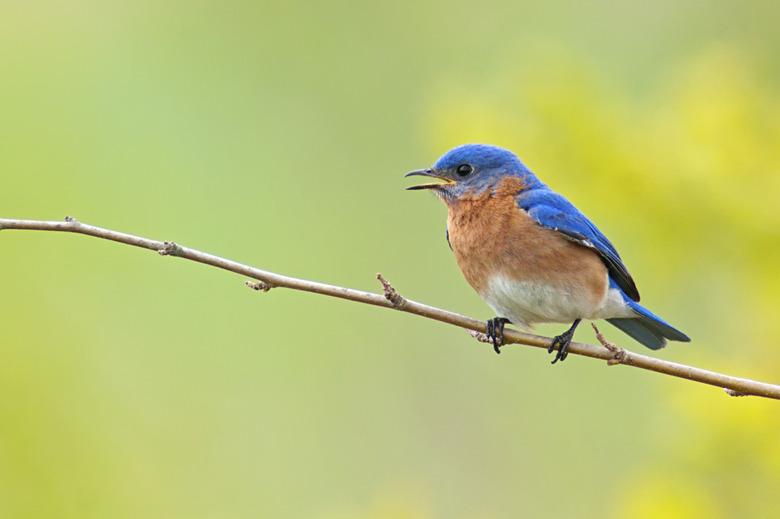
{"points": [[428, 173]]}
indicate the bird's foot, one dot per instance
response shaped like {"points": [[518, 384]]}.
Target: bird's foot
{"points": [[562, 341], [494, 329]]}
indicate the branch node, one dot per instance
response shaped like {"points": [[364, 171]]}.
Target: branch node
{"points": [[619, 355], [390, 293], [169, 249], [259, 285], [70, 219], [734, 392], [480, 337]]}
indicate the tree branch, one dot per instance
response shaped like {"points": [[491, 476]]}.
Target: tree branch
{"points": [[391, 299]]}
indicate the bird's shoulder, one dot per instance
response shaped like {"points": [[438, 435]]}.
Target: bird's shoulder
{"points": [[555, 212]]}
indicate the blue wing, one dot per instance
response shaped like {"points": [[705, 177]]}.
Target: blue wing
{"points": [[555, 212]]}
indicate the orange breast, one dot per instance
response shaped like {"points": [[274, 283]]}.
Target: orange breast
{"points": [[491, 236]]}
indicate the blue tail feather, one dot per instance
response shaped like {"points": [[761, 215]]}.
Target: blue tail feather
{"points": [[647, 328]]}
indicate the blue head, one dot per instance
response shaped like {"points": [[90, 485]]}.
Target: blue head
{"points": [[473, 169]]}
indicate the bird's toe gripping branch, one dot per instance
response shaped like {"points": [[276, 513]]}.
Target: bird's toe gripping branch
{"points": [[562, 341], [494, 329]]}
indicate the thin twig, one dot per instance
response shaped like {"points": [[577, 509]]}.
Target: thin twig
{"points": [[391, 299], [390, 293], [619, 355]]}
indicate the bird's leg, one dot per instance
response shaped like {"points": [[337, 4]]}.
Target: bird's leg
{"points": [[494, 329], [562, 341]]}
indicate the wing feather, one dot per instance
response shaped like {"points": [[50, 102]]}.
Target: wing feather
{"points": [[553, 211]]}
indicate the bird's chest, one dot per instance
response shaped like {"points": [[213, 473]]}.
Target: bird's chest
{"points": [[490, 236], [523, 270]]}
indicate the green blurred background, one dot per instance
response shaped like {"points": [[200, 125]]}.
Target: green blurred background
{"points": [[277, 134]]}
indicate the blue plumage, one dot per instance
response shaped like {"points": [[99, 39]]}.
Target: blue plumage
{"points": [[555, 212], [531, 274]]}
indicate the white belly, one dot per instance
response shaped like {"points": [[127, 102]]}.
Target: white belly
{"points": [[525, 303]]}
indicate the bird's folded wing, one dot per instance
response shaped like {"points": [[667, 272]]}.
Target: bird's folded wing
{"points": [[553, 211]]}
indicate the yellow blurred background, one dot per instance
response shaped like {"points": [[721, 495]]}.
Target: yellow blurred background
{"points": [[277, 134]]}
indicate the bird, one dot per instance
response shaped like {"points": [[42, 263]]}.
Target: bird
{"points": [[530, 254]]}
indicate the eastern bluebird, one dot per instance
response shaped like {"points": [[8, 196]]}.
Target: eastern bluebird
{"points": [[530, 254]]}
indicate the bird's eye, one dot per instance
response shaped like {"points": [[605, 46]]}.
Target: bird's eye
{"points": [[464, 170]]}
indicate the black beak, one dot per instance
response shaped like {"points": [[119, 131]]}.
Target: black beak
{"points": [[427, 173]]}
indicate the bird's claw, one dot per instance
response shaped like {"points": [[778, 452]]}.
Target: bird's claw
{"points": [[494, 329], [562, 341]]}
